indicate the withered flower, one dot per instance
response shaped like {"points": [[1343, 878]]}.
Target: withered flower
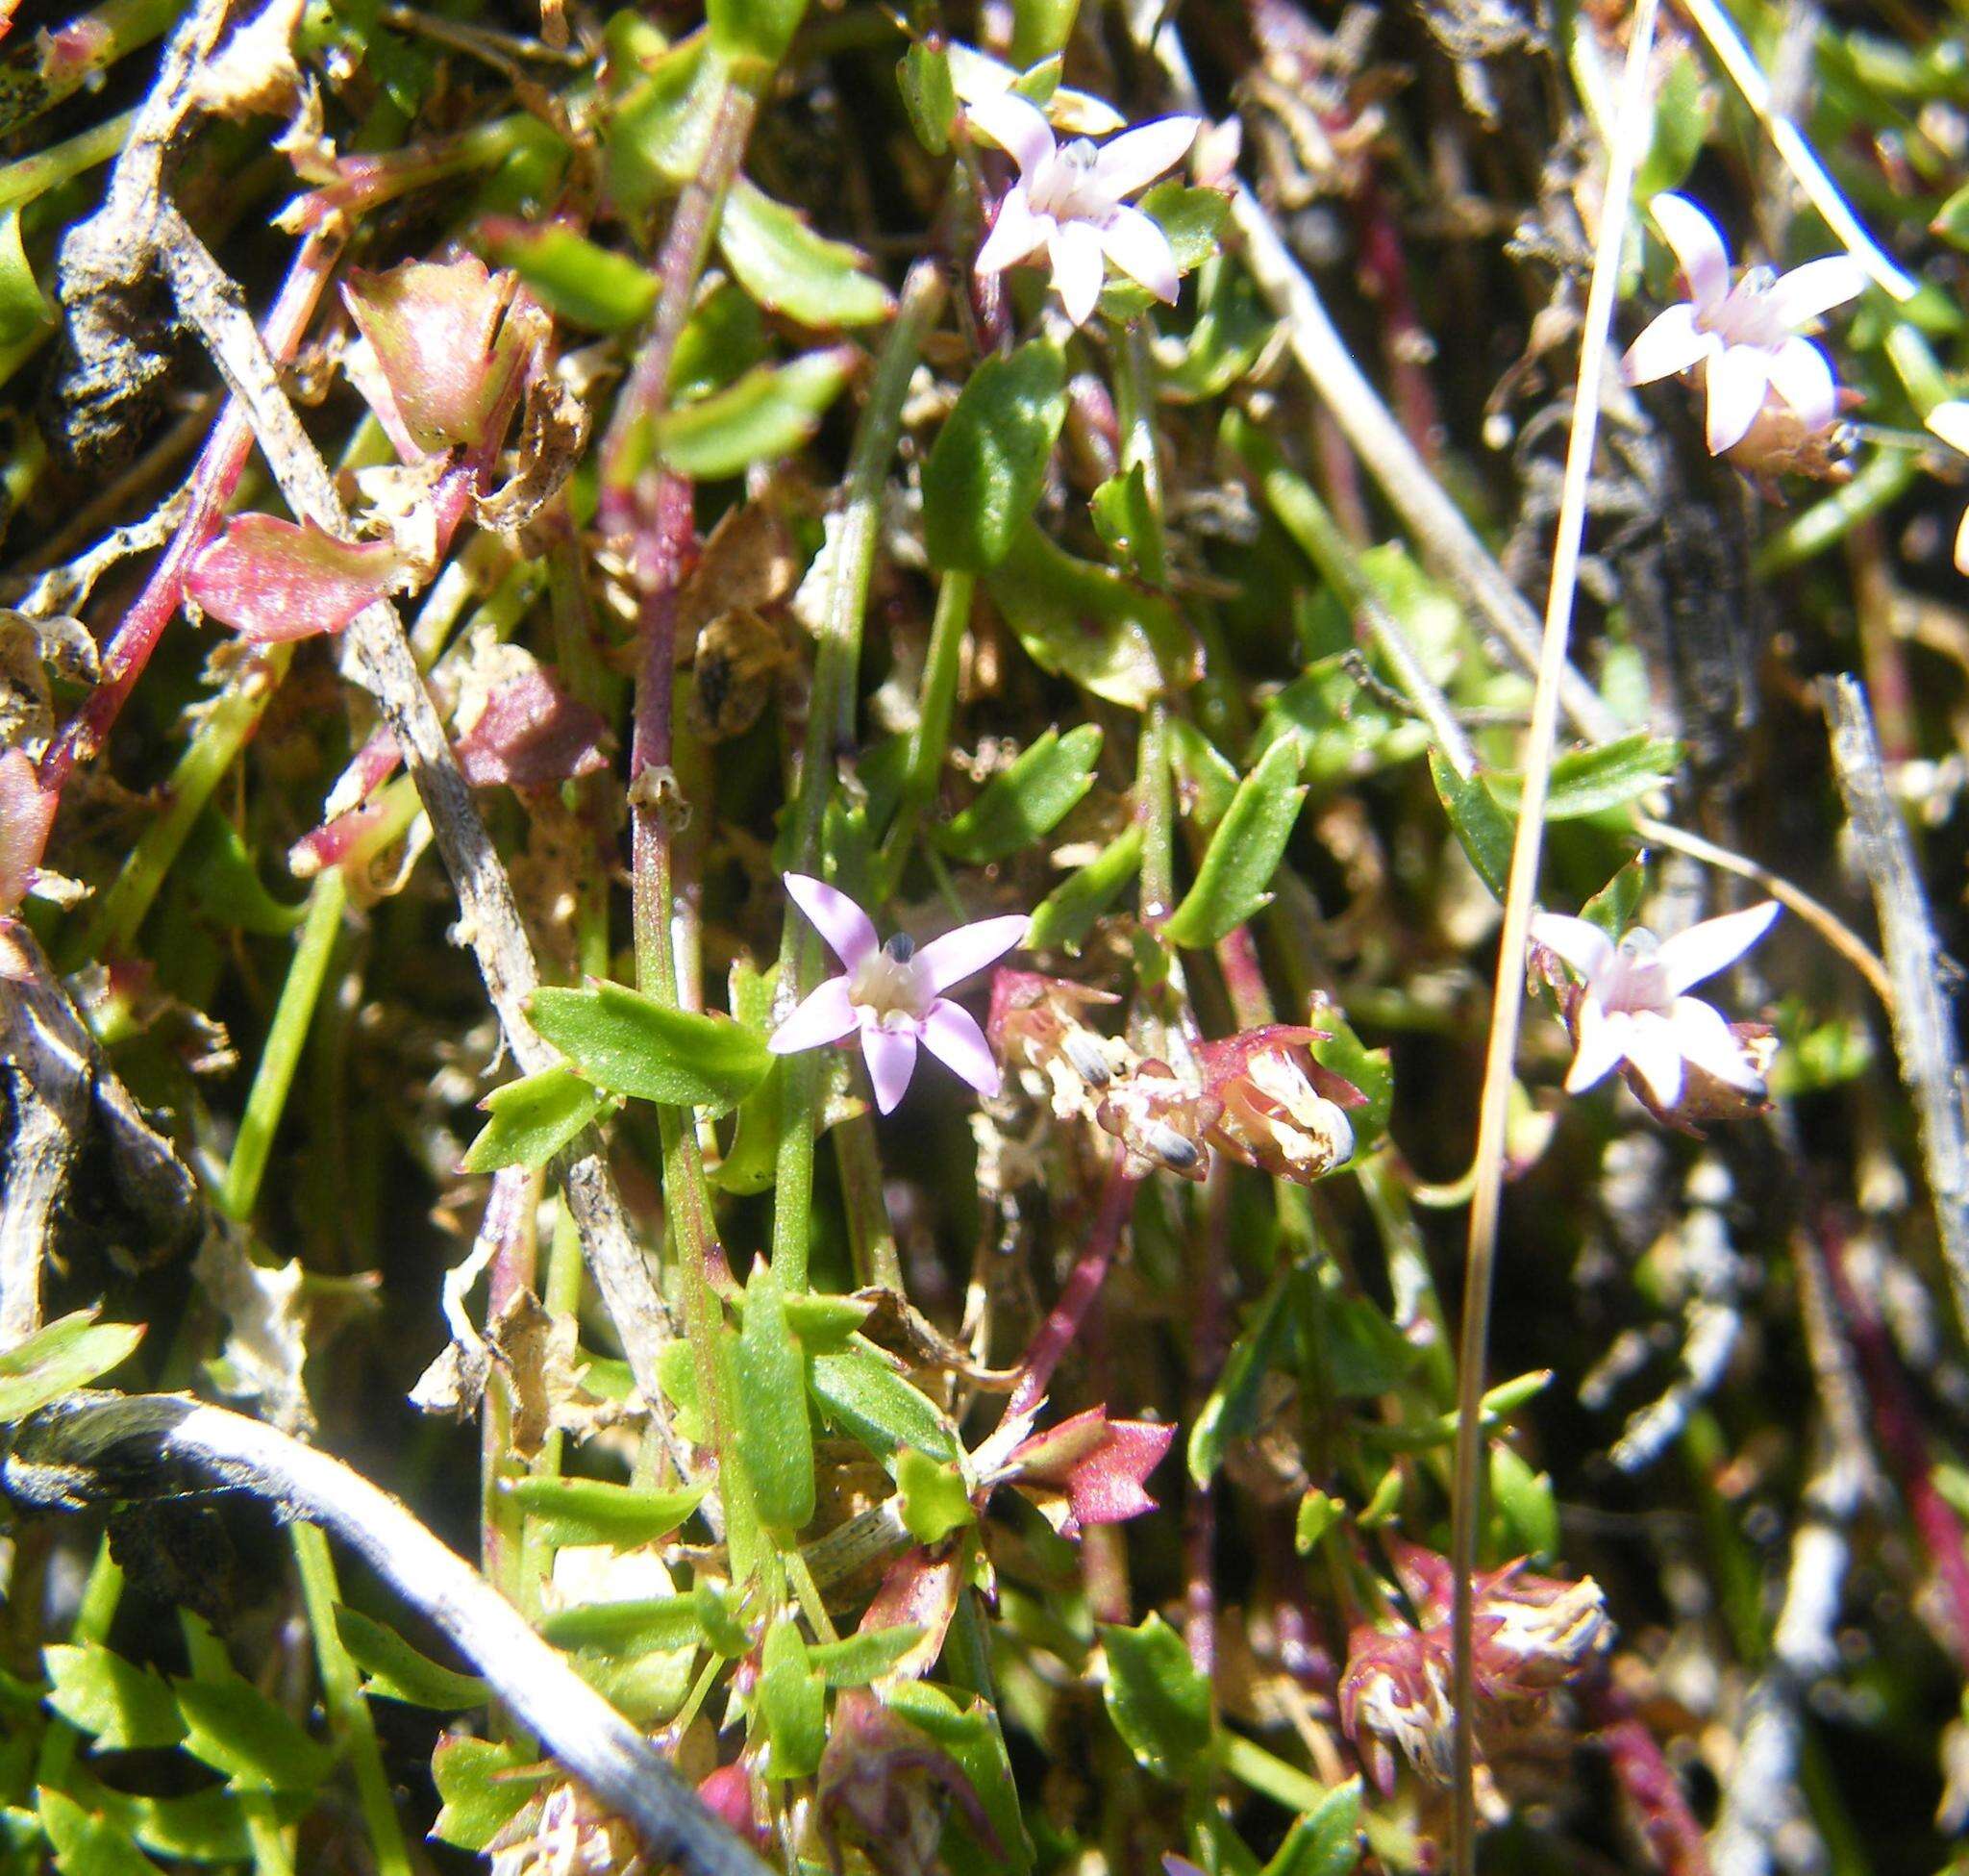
{"points": [[1280, 1110], [1038, 1023], [1160, 1118]]}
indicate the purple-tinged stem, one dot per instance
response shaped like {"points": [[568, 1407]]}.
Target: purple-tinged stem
{"points": [[1206, 1360], [1667, 1825], [1083, 1286]]}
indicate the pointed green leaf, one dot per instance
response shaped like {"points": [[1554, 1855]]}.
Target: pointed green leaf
{"points": [[394, 1670], [1025, 802], [1614, 907], [856, 1660], [648, 1625], [579, 280], [775, 1439], [767, 413], [481, 1786], [95, 1690], [968, 1731], [861, 1393], [533, 1119], [1591, 780], [1482, 829], [934, 1502], [1327, 1840], [923, 76], [23, 309], [1159, 1702], [69, 1353], [989, 463], [231, 1726], [792, 1702], [632, 1044], [1205, 780], [789, 268], [1234, 880], [594, 1512], [1067, 913], [86, 1846]]}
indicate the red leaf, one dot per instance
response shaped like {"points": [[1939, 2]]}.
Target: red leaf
{"points": [[532, 734], [1100, 1464], [272, 580], [27, 812]]}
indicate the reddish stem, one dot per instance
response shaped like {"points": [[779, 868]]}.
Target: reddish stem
{"points": [[1384, 271], [1660, 1810], [1056, 1333], [1897, 1426], [213, 482]]}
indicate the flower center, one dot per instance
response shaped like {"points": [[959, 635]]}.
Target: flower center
{"points": [[1746, 314], [1636, 978], [892, 986], [1067, 191]]}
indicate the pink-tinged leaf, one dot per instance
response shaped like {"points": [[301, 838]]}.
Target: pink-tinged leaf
{"points": [[435, 329], [917, 1592], [27, 812], [532, 734], [331, 843], [1100, 1464], [270, 580]]}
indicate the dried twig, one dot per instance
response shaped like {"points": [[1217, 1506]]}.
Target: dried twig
{"points": [[1925, 1034], [96, 1447]]}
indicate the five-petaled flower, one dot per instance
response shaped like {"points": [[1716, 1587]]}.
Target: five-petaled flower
{"points": [[1747, 337], [1068, 200], [894, 993], [1633, 1006]]}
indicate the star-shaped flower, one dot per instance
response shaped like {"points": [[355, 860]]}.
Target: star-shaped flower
{"points": [[1633, 1007], [1747, 337], [894, 993], [1068, 200]]}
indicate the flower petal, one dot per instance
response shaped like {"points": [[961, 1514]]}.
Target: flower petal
{"points": [[1581, 942], [824, 1015], [1602, 1041], [1669, 343], [1652, 1048], [1950, 422], [837, 918], [1141, 249], [1962, 543], [1078, 269], [1705, 949], [951, 1034], [1015, 125], [891, 1055], [1134, 158], [1799, 297], [964, 952], [1738, 377], [1015, 235], [1706, 1039], [1802, 375], [1698, 244]]}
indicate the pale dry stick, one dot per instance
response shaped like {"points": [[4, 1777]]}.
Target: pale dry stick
{"points": [[1630, 133], [1736, 58], [1925, 1031], [94, 1447], [489, 915], [1822, 918]]}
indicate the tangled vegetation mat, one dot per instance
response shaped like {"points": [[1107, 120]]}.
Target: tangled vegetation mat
{"points": [[1013, 940]]}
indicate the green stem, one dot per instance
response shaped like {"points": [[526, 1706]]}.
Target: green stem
{"points": [[349, 1718], [280, 1056], [1250, 1763], [830, 726], [38, 79], [930, 745], [31, 176]]}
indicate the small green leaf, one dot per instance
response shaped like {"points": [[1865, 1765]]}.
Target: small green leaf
{"points": [[723, 339], [647, 1625], [1234, 877], [1041, 29], [1159, 1702], [677, 1375], [658, 127], [789, 268], [861, 1393], [69, 1353], [1525, 1504], [934, 1502], [929, 96], [1028, 800], [969, 1733], [767, 413], [1370, 1070], [1318, 1512], [533, 1119], [1110, 634], [577, 279], [1125, 520], [594, 1512], [792, 1702], [745, 31], [394, 1670], [481, 1786], [1591, 780], [127, 1708], [1482, 829], [231, 1726], [1327, 1840], [632, 1044], [225, 886], [1067, 913], [775, 1439], [1233, 327], [1193, 219], [1614, 905], [857, 1660], [1361, 1353], [824, 1323], [1232, 1409], [1206, 779], [23, 309], [86, 1846], [1342, 729], [986, 467]]}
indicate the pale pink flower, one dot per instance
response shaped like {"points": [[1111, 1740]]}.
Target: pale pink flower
{"points": [[1747, 337], [1950, 422], [1068, 200], [894, 993], [1633, 1007]]}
